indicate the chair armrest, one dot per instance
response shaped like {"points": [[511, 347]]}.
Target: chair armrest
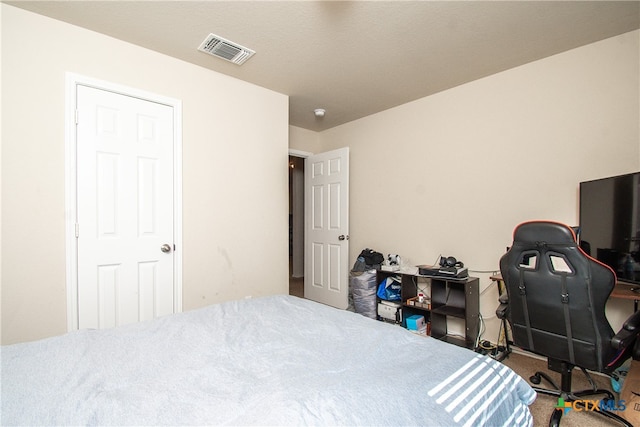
{"points": [[630, 330]]}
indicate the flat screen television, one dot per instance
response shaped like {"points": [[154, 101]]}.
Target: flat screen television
{"points": [[610, 223]]}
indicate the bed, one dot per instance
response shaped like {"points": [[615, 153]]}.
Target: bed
{"points": [[278, 360]]}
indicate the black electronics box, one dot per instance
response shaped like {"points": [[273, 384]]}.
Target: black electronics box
{"points": [[439, 271]]}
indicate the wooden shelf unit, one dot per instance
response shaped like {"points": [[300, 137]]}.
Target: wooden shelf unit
{"points": [[450, 299]]}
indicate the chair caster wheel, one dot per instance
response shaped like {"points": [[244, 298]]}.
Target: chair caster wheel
{"points": [[535, 379]]}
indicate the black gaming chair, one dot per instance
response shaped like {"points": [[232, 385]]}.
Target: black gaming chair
{"points": [[556, 301]]}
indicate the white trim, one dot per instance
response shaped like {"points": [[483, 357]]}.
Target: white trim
{"points": [[72, 82], [299, 153], [70, 212]]}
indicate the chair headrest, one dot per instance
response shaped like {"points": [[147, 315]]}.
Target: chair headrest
{"points": [[552, 233]]}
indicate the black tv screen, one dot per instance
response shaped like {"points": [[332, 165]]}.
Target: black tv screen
{"points": [[610, 223]]}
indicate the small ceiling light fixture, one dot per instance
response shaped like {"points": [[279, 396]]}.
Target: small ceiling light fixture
{"points": [[319, 112]]}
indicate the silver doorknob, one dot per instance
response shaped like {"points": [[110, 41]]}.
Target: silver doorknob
{"points": [[165, 248], [343, 237]]}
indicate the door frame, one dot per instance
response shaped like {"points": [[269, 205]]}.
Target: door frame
{"points": [[72, 81], [302, 155]]}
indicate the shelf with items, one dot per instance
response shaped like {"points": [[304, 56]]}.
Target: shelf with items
{"points": [[414, 305], [388, 311], [447, 303]]}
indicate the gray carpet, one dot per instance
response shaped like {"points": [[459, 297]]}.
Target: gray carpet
{"points": [[542, 408]]}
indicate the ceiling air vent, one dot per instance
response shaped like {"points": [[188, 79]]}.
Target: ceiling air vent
{"points": [[225, 49]]}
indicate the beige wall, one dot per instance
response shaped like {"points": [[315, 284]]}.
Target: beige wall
{"points": [[234, 176], [454, 173], [304, 140], [449, 174]]}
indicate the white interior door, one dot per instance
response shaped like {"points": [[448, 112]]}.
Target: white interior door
{"points": [[125, 212], [326, 277]]}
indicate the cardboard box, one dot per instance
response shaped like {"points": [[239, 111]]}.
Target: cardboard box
{"points": [[631, 400], [415, 302]]}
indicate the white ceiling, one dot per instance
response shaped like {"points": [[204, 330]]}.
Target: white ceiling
{"points": [[354, 58]]}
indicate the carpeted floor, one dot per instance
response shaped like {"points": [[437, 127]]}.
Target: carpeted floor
{"points": [[542, 408], [296, 286]]}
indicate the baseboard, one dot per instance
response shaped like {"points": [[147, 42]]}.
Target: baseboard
{"points": [[527, 353]]}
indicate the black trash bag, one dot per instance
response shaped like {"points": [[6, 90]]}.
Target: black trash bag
{"points": [[368, 260]]}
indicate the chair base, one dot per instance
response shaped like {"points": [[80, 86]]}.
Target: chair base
{"points": [[577, 397]]}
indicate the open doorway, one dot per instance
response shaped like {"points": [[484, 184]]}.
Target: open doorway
{"points": [[319, 218], [296, 226]]}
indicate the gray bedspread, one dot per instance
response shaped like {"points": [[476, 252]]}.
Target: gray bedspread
{"points": [[265, 361]]}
